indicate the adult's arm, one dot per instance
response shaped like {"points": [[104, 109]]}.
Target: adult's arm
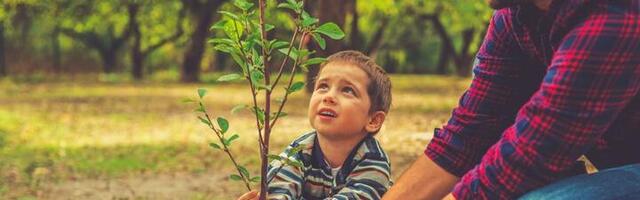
{"points": [[594, 74], [422, 180]]}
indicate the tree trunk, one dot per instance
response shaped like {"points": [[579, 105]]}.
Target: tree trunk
{"points": [[55, 50], [109, 61], [195, 47], [3, 67], [327, 11], [136, 51], [446, 48], [463, 60]]}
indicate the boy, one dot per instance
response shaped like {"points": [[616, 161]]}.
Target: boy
{"points": [[341, 159]]}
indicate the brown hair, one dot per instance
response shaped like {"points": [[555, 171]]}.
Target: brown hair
{"points": [[379, 87]]}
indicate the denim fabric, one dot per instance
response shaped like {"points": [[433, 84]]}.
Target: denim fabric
{"points": [[615, 183]]}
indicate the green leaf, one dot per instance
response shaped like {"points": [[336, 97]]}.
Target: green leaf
{"points": [[260, 114], [307, 20], [233, 30], [279, 100], [293, 54], [288, 6], [330, 29], [257, 76], [244, 171], [293, 151], [305, 68], [218, 25], [202, 92], [204, 121], [314, 61], [235, 177], [295, 87], [243, 4], [224, 48], [274, 157], [229, 77], [229, 14], [237, 108], [318, 38], [268, 27], [282, 114], [231, 139], [240, 62], [226, 41], [295, 163], [255, 179], [224, 124], [215, 146], [188, 100], [275, 44], [261, 86], [200, 108]]}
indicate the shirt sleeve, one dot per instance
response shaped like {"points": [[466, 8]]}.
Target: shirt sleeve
{"points": [[286, 180], [594, 74], [489, 105], [370, 179]]}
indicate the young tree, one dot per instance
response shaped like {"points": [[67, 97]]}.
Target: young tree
{"points": [[247, 42]]}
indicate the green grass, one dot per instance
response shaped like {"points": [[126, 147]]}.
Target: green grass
{"points": [[56, 130]]}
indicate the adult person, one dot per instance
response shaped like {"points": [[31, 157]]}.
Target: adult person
{"points": [[553, 81]]}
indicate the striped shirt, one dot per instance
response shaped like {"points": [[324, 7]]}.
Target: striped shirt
{"points": [[365, 174]]}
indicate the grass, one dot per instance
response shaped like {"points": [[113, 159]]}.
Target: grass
{"points": [[55, 132]]}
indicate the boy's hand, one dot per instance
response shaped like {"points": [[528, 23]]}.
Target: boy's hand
{"points": [[253, 195]]}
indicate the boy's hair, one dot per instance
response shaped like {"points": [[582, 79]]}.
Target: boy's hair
{"points": [[379, 87]]}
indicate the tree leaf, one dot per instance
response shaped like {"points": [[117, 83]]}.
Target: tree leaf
{"points": [[321, 42], [288, 6], [330, 29], [243, 4], [282, 114], [188, 100], [295, 87], [231, 139], [307, 20], [275, 44], [204, 121], [257, 76], [202, 92], [229, 77], [229, 14], [255, 179], [293, 54], [215, 146], [314, 61], [244, 171], [218, 25], [274, 157], [295, 163], [238, 108], [235, 177], [224, 124]]}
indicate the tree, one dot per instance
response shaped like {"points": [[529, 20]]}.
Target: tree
{"points": [[138, 53], [3, 66], [102, 29], [202, 14]]}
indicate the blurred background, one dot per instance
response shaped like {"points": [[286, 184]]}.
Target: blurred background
{"points": [[91, 90]]}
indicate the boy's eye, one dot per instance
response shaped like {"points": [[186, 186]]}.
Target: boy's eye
{"points": [[349, 90], [322, 86]]}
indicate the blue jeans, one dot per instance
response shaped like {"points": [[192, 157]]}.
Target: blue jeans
{"points": [[615, 183]]}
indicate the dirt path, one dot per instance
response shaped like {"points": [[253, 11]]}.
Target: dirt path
{"points": [[176, 186]]}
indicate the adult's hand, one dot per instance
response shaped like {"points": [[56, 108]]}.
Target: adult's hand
{"points": [[253, 195], [423, 180]]}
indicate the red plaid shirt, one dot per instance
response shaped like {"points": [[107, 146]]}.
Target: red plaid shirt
{"points": [[548, 88]]}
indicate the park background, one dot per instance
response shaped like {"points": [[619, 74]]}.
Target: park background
{"points": [[91, 90]]}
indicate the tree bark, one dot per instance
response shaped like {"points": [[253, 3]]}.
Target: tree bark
{"points": [[136, 52], [464, 58], [195, 48], [3, 67], [55, 50], [327, 11]]}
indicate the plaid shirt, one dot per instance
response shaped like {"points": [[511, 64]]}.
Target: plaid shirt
{"points": [[548, 88], [365, 174]]}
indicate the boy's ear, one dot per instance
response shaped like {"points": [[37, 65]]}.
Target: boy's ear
{"points": [[375, 121]]}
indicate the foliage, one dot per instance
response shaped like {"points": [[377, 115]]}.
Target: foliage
{"points": [[246, 41]]}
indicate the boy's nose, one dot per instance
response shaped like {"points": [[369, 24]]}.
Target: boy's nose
{"points": [[328, 99]]}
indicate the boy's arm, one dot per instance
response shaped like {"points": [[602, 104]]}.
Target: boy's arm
{"points": [[369, 180]]}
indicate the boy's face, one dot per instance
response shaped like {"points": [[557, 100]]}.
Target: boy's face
{"points": [[339, 105]]}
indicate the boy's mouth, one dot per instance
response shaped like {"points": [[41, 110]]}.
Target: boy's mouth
{"points": [[325, 112]]}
